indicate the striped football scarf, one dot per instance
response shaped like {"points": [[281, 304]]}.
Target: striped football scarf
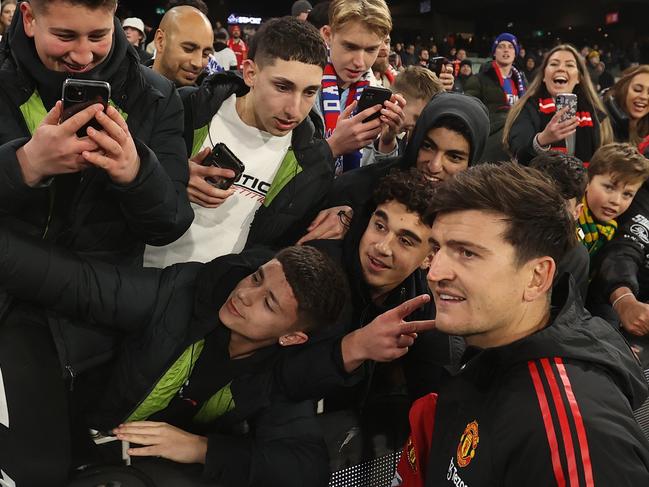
{"points": [[595, 234]]}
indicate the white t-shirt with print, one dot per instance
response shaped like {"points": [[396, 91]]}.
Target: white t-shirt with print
{"points": [[224, 230]]}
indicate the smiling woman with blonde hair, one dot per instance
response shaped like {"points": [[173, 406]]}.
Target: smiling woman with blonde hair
{"points": [[534, 125]]}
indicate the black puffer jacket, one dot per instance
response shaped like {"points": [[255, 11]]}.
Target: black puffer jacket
{"points": [[165, 311], [282, 219], [86, 212]]}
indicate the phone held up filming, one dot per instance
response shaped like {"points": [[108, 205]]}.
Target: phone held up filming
{"points": [[79, 94]]}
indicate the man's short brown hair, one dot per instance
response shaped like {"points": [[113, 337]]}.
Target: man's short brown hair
{"points": [[538, 222], [374, 14], [41, 5], [622, 161], [417, 83]]}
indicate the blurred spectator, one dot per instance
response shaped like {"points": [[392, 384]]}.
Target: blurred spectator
{"points": [[424, 58], [627, 103], [593, 60], [382, 70], [236, 43], [605, 78], [218, 27], [301, 9], [6, 14], [134, 30], [465, 73], [529, 69], [395, 61], [183, 43], [409, 58], [223, 55], [319, 15], [499, 87]]}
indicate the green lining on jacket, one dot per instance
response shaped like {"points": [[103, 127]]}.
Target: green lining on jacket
{"points": [[169, 384], [34, 111], [200, 134], [289, 168], [217, 405]]}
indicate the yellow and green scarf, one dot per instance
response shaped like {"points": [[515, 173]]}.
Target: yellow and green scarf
{"points": [[595, 234]]}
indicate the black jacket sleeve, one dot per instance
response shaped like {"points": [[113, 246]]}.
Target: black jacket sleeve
{"points": [[99, 293], [522, 133], [286, 448], [13, 190], [622, 258], [156, 205]]}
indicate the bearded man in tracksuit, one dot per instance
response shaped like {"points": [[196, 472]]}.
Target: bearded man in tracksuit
{"points": [[545, 394]]}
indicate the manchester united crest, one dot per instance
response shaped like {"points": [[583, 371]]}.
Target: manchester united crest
{"points": [[468, 444]]}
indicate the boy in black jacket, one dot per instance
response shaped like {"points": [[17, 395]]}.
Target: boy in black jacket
{"points": [[201, 338]]}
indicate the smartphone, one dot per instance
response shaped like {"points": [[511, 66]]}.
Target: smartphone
{"points": [[566, 100], [437, 63], [371, 96], [222, 156], [79, 94]]}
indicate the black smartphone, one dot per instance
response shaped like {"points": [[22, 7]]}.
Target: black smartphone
{"points": [[371, 96], [222, 156], [567, 100], [437, 63], [79, 94]]}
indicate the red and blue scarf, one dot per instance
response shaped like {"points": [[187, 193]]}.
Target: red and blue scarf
{"points": [[331, 110], [518, 83]]}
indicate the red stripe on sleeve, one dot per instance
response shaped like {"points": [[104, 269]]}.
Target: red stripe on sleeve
{"points": [[549, 427], [579, 423], [563, 421]]}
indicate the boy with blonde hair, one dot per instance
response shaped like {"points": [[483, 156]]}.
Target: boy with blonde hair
{"points": [[356, 31], [615, 174]]}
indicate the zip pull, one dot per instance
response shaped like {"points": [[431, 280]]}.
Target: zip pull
{"points": [[72, 376]]}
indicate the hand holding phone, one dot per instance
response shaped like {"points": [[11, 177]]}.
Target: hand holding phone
{"points": [[437, 63], [79, 94], [372, 96], [224, 158]]}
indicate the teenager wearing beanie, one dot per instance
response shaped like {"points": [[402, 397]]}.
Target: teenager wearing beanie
{"points": [[499, 86]]}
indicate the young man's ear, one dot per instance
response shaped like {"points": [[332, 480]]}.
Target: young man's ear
{"points": [[28, 18], [294, 338], [249, 70], [325, 30], [578, 209], [541, 278]]}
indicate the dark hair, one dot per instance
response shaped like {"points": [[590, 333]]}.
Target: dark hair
{"points": [[454, 124], [289, 39], [318, 283], [41, 5], [319, 15], [622, 160], [199, 4], [410, 188], [220, 35], [567, 172], [538, 222]]}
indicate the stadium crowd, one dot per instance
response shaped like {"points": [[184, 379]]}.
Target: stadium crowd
{"points": [[234, 259]]}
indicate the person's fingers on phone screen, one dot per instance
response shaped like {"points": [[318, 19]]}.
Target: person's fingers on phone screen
{"points": [[218, 172], [369, 111], [111, 127], [54, 115], [78, 120], [103, 139]]}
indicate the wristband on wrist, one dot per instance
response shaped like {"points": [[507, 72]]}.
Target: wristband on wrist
{"points": [[620, 297]]}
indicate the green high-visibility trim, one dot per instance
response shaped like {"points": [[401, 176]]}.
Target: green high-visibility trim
{"points": [[219, 404], [34, 111], [289, 168], [170, 383], [200, 134]]}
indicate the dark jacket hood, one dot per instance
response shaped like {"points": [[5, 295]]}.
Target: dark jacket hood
{"points": [[468, 109], [576, 335], [21, 50]]}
